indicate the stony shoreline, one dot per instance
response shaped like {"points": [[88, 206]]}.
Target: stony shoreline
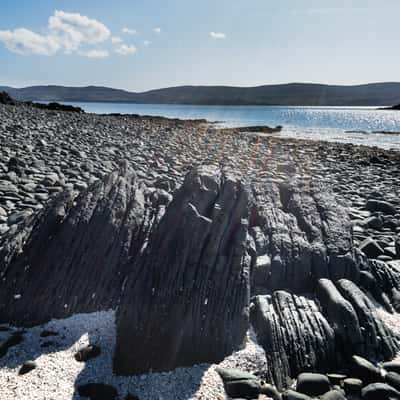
{"points": [[44, 153]]}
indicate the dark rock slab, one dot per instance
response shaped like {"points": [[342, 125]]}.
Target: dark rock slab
{"points": [[295, 335], [77, 248], [192, 279]]}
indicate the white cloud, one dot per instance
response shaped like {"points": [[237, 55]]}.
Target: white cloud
{"points": [[25, 42], [129, 31], [146, 43], [157, 30], [116, 39], [218, 35], [125, 50], [72, 30], [95, 53], [66, 31]]}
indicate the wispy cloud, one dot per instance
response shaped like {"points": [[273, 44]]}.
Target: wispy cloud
{"points": [[157, 30], [125, 49], [146, 43], [218, 35], [129, 31], [66, 32], [95, 53], [116, 39]]}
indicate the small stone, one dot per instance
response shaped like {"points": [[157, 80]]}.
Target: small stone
{"points": [[371, 248], [27, 367], [86, 353]]}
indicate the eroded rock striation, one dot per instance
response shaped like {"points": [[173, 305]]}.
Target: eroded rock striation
{"points": [[192, 280]]}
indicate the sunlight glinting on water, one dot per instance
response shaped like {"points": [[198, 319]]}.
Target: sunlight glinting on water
{"points": [[356, 125]]}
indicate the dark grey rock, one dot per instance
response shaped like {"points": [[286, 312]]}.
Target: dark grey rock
{"points": [[27, 367], [312, 384], [365, 370], [352, 386], [393, 379], [87, 352], [379, 391], [333, 395], [293, 395], [194, 281], [383, 206], [371, 248]]}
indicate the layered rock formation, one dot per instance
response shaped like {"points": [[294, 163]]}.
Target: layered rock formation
{"points": [[187, 301], [73, 257]]}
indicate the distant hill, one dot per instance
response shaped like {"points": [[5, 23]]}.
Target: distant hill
{"points": [[306, 94]]}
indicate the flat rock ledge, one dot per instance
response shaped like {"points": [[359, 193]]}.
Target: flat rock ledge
{"points": [[189, 269]]}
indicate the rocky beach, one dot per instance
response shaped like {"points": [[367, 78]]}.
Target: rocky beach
{"points": [[204, 263]]}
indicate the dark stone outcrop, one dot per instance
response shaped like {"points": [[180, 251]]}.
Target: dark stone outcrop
{"points": [[74, 256], [306, 234], [6, 99], [295, 335], [192, 279]]}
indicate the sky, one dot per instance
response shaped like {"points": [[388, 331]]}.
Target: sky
{"points": [[145, 44]]}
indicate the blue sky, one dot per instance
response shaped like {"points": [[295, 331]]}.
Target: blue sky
{"points": [[176, 42]]}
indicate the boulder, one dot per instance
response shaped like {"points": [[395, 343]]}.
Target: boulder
{"points": [[239, 384], [365, 370], [312, 384], [382, 206], [379, 391], [352, 386], [333, 395], [393, 379]]}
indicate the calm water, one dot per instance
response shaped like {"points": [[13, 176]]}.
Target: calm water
{"points": [[327, 123]]}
